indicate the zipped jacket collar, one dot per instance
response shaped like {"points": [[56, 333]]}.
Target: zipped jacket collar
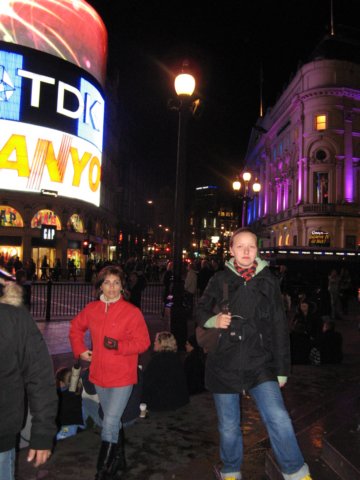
{"points": [[108, 302]]}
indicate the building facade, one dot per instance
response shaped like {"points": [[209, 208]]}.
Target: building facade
{"points": [[212, 219], [58, 184], [306, 150]]}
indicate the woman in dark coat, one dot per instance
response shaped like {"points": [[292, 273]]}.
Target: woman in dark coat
{"points": [[243, 303]]}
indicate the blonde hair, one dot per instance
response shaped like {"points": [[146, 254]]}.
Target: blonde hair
{"points": [[166, 342]]}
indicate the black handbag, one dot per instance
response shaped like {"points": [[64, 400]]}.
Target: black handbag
{"points": [[207, 338]]}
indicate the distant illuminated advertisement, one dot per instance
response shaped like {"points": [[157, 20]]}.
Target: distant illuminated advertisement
{"points": [[318, 238], [75, 224], [9, 217], [45, 217], [52, 118], [69, 29]]}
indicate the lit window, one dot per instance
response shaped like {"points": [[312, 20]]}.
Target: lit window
{"points": [[321, 187], [321, 122], [45, 217], [9, 217]]}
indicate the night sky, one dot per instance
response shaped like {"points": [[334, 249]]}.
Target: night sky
{"points": [[226, 43]]}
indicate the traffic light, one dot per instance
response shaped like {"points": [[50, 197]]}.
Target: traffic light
{"points": [[85, 247]]}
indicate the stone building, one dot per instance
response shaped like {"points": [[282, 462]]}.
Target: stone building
{"points": [[306, 151]]}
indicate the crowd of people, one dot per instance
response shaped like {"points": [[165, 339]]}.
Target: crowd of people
{"points": [[260, 327]]}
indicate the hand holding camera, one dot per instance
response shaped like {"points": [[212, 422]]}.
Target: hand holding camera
{"points": [[223, 320], [111, 343]]}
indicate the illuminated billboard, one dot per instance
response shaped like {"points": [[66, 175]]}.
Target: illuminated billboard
{"points": [[51, 125], [69, 29]]}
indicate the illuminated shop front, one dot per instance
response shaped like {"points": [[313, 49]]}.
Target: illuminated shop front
{"points": [[10, 245]]}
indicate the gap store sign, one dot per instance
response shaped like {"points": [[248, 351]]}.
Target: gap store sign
{"points": [[51, 125]]}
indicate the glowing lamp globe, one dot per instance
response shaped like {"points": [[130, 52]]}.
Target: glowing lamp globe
{"points": [[256, 186], [185, 84]]}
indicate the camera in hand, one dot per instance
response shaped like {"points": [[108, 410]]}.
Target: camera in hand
{"points": [[110, 343], [234, 335], [235, 330]]}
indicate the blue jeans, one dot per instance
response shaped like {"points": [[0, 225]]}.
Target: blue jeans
{"points": [[7, 465], [283, 441], [90, 408], [113, 402]]}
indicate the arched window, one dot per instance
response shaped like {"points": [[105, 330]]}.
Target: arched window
{"points": [[45, 217], [9, 217], [75, 224]]}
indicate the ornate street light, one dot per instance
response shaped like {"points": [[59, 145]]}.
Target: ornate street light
{"points": [[184, 87], [245, 192]]}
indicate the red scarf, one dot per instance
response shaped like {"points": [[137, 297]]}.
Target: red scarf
{"points": [[246, 273]]}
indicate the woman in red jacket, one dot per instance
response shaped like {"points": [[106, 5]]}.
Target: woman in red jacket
{"points": [[118, 335]]}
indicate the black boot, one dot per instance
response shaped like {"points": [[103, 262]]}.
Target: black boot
{"points": [[105, 458], [118, 464]]}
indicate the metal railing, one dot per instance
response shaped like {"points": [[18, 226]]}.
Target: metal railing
{"points": [[53, 300]]}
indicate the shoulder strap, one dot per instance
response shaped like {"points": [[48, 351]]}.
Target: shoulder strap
{"points": [[225, 292], [225, 299]]}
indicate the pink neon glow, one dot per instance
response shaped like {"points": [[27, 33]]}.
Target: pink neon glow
{"points": [[286, 196], [69, 29], [300, 182], [349, 186], [266, 199]]}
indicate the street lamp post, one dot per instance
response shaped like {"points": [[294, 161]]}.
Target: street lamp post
{"points": [[245, 194], [184, 87]]}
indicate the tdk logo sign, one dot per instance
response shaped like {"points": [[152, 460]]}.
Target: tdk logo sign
{"points": [[50, 93]]}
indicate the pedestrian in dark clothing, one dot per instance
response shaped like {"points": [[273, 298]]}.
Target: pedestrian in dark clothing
{"points": [[57, 270], [345, 289], [330, 343], [310, 321], [69, 417], [204, 275], [194, 366], [25, 370], [44, 268], [30, 268], [165, 386], [300, 345], [135, 286], [252, 354], [71, 269]]}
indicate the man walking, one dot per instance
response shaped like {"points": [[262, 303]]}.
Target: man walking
{"points": [[25, 368]]}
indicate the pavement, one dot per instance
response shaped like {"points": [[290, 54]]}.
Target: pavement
{"points": [[183, 444]]}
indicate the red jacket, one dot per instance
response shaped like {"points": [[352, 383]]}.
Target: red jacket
{"points": [[119, 320]]}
